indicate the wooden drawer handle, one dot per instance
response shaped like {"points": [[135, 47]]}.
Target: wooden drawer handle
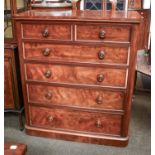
{"points": [[132, 3], [100, 77], [101, 55], [48, 74], [102, 34], [50, 118], [45, 33], [48, 95], [99, 100], [99, 124], [46, 52]]}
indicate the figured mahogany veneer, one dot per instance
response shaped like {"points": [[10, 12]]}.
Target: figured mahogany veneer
{"points": [[76, 120], [76, 97], [76, 74], [103, 33], [47, 31], [100, 54]]}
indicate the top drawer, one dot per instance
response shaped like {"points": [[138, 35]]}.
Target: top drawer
{"points": [[46, 31], [101, 33]]}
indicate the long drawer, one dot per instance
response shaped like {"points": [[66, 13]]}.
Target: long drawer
{"points": [[75, 120], [75, 97], [76, 74], [46, 31], [80, 53], [103, 32]]}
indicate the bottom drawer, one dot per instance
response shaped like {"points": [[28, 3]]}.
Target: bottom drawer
{"points": [[76, 120]]}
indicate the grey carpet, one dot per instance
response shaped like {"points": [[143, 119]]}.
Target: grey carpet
{"points": [[139, 143]]}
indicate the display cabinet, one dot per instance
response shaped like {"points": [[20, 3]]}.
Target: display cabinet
{"points": [[13, 101], [10, 8], [12, 90]]}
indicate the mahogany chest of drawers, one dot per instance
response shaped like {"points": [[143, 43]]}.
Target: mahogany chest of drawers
{"points": [[78, 73]]}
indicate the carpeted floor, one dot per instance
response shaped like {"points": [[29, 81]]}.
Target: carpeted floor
{"points": [[139, 144]]}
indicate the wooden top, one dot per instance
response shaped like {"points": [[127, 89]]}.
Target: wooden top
{"points": [[14, 149], [79, 15]]}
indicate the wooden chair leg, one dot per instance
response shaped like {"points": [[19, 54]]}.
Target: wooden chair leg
{"points": [[21, 126]]}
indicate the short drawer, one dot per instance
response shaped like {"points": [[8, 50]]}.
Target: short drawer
{"points": [[118, 33], [76, 74], [76, 97], [43, 31], [96, 54], [76, 120]]}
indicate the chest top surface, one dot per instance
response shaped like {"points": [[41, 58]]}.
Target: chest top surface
{"points": [[79, 15]]}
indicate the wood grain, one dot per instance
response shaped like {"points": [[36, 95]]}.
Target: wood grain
{"points": [[87, 98], [55, 31], [35, 51], [75, 120], [134, 4], [112, 33], [78, 136], [84, 27], [75, 74], [9, 102]]}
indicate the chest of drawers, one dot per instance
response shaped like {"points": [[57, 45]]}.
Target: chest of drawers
{"points": [[78, 74]]}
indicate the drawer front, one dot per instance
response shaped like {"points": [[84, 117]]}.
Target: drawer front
{"points": [[99, 54], [103, 33], [76, 74], [88, 98], [75, 120], [43, 31]]}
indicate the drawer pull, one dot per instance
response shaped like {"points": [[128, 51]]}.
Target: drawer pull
{"points": [[46, 52], [102, 35], [100, 77], [48, 74], [101, 55], [132, 3], [48, 95], [50, 118], [98, 124], [99, 100], [45, 33]]}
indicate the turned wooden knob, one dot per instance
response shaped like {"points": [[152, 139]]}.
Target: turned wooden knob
{"points": [[48, 74], [132, 3], [50, 118], [99, 100], [101, 55], [100, 77], [102, 35], [48, 95], [45, 33], [46, 52], [98, 124]]}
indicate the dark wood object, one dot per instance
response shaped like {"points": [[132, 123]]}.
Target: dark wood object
{"points": [[135, 4], [78, 73], [20, 149], [13, 101], [145, 28]]}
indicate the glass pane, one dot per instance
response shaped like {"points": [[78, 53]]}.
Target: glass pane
{"points": [[93, 4], [119, 6], [7, 20], [20, 5]]}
